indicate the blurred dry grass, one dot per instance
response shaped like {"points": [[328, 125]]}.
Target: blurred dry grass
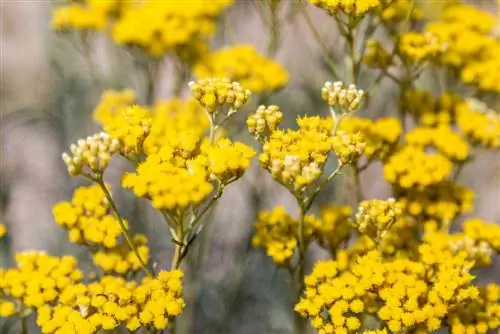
{"points": [[47, 96]]}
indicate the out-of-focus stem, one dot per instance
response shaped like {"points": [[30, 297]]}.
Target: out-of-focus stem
{"points": [[319, 41], [127, 237]]}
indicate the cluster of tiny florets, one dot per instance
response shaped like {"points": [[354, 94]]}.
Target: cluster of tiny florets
{"points": [[348, 7], [113, 301], [443, 138], [111, 103], [417, 47], [169, 186], [296, 157], [337, 96], [121, 259], [130, 127], [480, 124], [227, 161], [264, 121], [404, 294], [39, 278], [91, 155], [87, 218], [381, 137], [214, 93], [348, 147], [412, 167], [245, 65], [375, 217], [276, 233]]}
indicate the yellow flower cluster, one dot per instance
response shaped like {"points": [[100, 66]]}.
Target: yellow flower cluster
{"points": [[480, 124], [348, 147], [177, 123], [442, 202], [169, 186], [91, 155], [39, 278], [381, 137], [264, 121], [244, 64], [276, 232], [348, 7], [335, 227], [296, 157], [470, 46], [375, 217], [480, 316], [214, 93], [443, 138], [484, 72], [401, 241], [479, 230], [478, 252], [121, 259], [93, 15], [130, 127], [376, 56], [7, 308], [430, 112], [86, 218], [404, 294], [3, 231], [417, 48], [348, 99], [159, 27], [112, 301], [411, 167], [111, 103], [227, 161], [397, 11]]}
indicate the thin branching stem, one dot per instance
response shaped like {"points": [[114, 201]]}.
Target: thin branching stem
{"points": [[324, 49], [125, 233]]}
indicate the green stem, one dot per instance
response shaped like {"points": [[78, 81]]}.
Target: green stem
{"points": [[176, 260], [127, 237], [24, 325], [319, 41], [299, 273], [274, 33], [309, 201]]}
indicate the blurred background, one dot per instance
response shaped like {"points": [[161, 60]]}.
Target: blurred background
{"points": [[47, 95]]}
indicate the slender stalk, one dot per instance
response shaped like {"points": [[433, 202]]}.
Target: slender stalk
{"points": [[311, 198], [274, 32], [299, 273], [24, 325], [127, 237], [176, 260], [319, 41], [357, 185]]}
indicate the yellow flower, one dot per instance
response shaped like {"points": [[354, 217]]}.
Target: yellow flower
{"points": [[130, 127], [214, 93], [264, 121], [3, 231], [296, 157], [349, 7], [276, 233], [242, 63]]}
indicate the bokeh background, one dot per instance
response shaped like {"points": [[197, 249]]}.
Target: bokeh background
{"points": [[47, 95]]}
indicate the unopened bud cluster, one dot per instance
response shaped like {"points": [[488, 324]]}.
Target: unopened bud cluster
{"points": [[293, 171], [213, 93], [264, 120], [337, 96], [375, 217], [348, 146], [94, 152], [480, 251]]}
